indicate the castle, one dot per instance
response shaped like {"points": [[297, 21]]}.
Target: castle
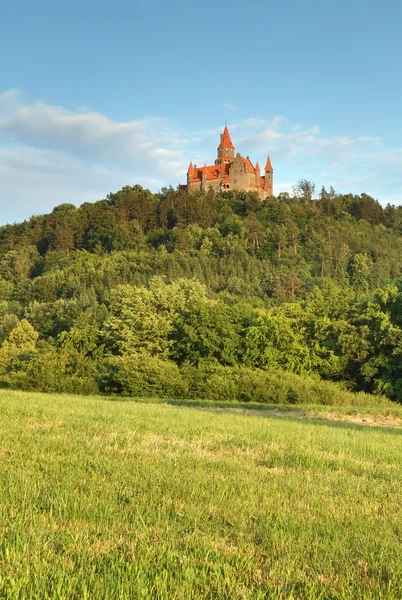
{"points": [[231, 172]]}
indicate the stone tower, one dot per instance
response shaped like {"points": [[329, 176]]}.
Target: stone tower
{"points": [[190, 173], [269, 178], [225, 149], [257, 175]]}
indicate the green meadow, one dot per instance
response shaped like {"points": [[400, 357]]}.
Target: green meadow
{"points": [[107, 499]]}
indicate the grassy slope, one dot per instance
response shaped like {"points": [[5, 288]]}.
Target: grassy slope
{"points": [[119, 500]]}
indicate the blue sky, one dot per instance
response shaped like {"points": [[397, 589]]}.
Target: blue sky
{"points": [[98, 95]]}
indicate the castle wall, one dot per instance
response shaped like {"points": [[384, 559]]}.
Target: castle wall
{"points": [[215, 184]]}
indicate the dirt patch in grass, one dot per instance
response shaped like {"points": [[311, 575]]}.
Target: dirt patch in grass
{"points": [[364, 419], [373, 420]]}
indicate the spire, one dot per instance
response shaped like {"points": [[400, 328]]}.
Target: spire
{"points": [[268, 166], [269, 178], [257, 167], [190, 168], [226, 142]]}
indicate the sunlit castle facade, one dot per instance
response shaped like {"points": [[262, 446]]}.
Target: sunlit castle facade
{"points": [[231, 172]]}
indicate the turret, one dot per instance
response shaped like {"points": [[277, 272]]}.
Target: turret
{"points": [[257, 175], [225, 148], [190, 173], [269, 178]]}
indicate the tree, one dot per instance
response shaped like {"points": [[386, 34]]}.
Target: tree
{"points": [[17, 350], [205, 331], [304, 189], [142, 318], [17, 265], [359, 270], [293, 339]]}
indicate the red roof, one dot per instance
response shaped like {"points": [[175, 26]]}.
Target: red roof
{"points": [[257, 167], [226, 142], [248, 164], [190, 169], [211, 172], [268, 165]]}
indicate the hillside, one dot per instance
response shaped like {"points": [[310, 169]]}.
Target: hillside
{"points": [[204, 295]]}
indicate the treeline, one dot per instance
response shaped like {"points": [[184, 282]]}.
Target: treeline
{"points": [[209, 295]]}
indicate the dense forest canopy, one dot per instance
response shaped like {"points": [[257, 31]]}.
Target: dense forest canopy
{"points": [[170, 293]]}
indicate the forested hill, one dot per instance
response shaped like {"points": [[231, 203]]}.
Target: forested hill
{"points": [[174, 282]]}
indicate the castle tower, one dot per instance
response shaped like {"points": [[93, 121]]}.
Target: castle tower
{"points": [[269, 178], [190, 172], [257, 175], [225, 148]]}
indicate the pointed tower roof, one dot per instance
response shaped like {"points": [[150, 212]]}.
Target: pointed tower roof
{"points": [[257, 167], [269, 164], [190, 168], [226, 142]]}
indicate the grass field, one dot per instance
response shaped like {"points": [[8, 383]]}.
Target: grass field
{"points": [[105, 499]]}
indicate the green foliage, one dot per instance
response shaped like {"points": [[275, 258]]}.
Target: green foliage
{"points": [[142, 319], [7, 323], [382, 322], [16, 354], [294, 339], [17, 265], [243, 384], [296, 284], [205, 331], [141, 375], [51, 371], [6, 290], [51, 318]]}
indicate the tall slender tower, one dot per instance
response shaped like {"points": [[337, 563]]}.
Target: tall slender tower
{"points": [[257, 176], [190, 173], [269, 178], [225, 148]]}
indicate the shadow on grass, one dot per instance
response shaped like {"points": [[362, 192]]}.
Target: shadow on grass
{"points": [[298, 413]]}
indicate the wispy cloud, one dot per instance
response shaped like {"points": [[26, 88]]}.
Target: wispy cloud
{"points": [[228, 106], [81, 130]]}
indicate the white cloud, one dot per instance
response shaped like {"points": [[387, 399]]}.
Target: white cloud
{"points": [[9, 97], [43, 124]]}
